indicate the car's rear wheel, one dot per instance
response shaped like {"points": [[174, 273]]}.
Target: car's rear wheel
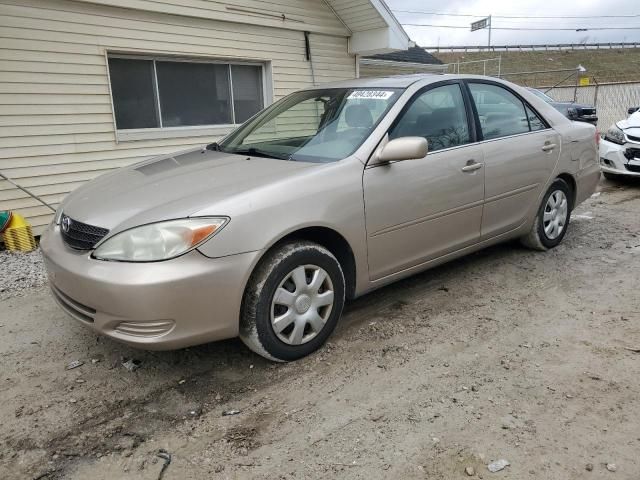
{"points": [[293, 301], [552, 219]]}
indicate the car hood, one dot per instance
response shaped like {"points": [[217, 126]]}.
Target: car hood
{"points": [[172, 186], [632, 122], [631, 125]]}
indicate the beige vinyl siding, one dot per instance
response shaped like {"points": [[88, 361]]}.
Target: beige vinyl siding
{"points": [[303, 15], [56, 122]]}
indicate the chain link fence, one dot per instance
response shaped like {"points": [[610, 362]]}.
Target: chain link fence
{"points": [[612, 100], [487, 66]]}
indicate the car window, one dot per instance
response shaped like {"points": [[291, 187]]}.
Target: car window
{"points": [[501, 113], [439, 115], [301, 120], [541, 95], [318, 125], [535, 122], [375, 107]]}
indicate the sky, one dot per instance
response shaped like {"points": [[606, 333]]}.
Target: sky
{"points": [[434, 36]]}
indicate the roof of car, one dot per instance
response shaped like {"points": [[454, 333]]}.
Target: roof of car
{"points": [[396, 81], [423, 79]]}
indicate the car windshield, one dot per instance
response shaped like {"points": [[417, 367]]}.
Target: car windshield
{"points": [[542, 95], [323, 125]]}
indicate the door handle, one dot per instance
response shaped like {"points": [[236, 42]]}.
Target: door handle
{"points": [[547, 147], [471, 166]]}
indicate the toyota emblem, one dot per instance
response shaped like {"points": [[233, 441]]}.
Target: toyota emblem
{"points": [[65, 224]]}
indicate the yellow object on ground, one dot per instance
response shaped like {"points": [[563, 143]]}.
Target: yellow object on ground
{"points": [[18, 236]]}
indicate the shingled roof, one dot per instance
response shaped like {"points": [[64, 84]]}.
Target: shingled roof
{"points": [[412, 55]]}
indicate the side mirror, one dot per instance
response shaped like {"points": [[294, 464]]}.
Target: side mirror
{"points": [[403, 148], [633, 110]]}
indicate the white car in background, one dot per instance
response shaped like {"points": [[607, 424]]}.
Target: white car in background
{"points": [[620, 148]]}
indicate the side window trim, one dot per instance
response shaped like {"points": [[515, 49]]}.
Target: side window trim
{"points": [[526, 114], [477, 127], [538, 116], [530, 107], [480, 136], [473, 136]]}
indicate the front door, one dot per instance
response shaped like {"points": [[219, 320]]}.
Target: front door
{"points": [[417, 210], [520, 152]]}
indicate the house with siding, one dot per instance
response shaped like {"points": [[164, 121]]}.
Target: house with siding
{"points": [[87, 86]]}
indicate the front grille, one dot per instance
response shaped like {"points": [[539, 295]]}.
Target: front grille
{"points": [[587, 111], [633, 168], [73, 307], [633, 139], [80, 236], [631, 153]]}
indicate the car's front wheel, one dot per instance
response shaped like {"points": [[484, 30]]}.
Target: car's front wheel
{"points": [[552, 219], [292, 302]]}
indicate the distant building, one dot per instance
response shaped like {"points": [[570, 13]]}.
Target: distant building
{"points": [[413, 60]]}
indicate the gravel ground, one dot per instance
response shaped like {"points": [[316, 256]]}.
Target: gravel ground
{"points": [[505, 354], [20, 272]]}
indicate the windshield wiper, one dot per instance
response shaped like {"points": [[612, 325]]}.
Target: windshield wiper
{"points": [[255, 152]]}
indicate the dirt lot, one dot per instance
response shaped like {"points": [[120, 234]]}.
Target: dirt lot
{"points": [[507, 354]]}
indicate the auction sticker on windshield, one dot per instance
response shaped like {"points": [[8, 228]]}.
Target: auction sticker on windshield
{"points": [[375, 94]]}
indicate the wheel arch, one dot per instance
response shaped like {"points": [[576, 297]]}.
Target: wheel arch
{"points": [[573, 186], [330, 239]]}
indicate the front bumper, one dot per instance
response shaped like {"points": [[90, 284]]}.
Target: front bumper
{"points": [[166, 305], [613, 159], [592, 119]]}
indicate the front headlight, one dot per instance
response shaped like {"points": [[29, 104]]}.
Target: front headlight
{"points": [[615, 135], [159, 241]]}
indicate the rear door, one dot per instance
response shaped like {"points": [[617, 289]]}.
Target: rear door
{"points": [[520, 152], [417, 210]]}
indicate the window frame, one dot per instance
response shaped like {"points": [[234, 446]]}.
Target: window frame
{"points": [[161, 132], [471, 123], [525, 104]]}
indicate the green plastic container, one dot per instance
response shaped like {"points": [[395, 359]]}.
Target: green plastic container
{"points": [[5, 218]]}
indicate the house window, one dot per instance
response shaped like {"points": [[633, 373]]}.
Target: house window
{"points": [[165, 93]]}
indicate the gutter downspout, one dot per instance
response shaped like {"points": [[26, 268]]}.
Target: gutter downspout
{"points": [[307, 49]]}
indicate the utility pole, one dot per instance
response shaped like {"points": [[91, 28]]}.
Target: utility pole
{"points": [[489, 33]]}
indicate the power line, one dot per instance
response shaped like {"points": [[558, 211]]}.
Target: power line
{"points": [[516, 16], [575, 29], [438, 14]]}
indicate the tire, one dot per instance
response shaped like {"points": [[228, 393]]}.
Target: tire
{"points": [[542, 235], [288, 310]]}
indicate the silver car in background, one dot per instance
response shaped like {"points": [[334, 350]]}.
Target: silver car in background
{"points": [[326, 195]]}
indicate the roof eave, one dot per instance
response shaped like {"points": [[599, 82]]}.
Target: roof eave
{"points": [[389, 38]]}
